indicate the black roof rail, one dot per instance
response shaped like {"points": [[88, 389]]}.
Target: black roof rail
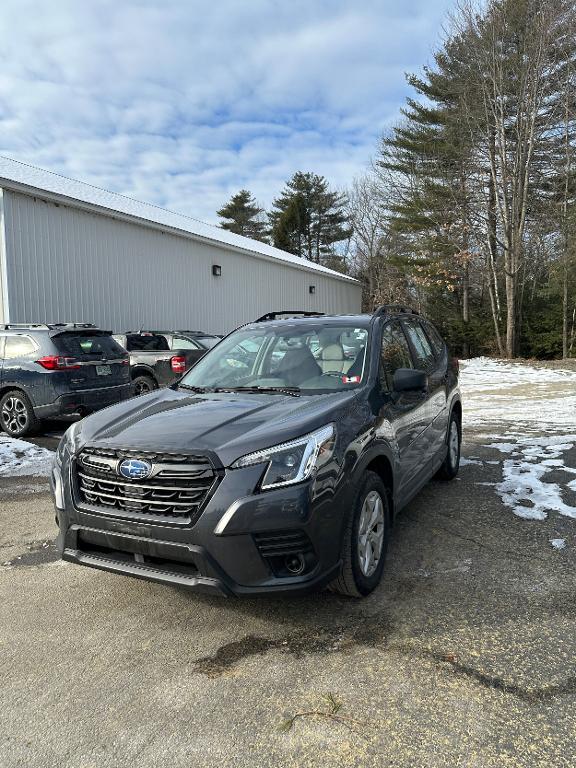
{"points": [[292, 312], [23, 326], [71, 325], [394, 309]]}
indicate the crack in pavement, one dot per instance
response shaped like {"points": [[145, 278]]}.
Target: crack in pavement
{"points": [[340, 640], [527, 695]]}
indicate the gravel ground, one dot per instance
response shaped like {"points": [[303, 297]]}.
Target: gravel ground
{"points": [[464, 656]]}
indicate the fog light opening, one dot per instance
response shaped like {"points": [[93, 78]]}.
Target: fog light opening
{"points": [[295, 564]]}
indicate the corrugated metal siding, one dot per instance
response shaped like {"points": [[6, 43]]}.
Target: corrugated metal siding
{"points": [[3, 270], [67, 264]]}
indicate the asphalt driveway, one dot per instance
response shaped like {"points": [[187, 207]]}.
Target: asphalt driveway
{"points": [[464, 657]]}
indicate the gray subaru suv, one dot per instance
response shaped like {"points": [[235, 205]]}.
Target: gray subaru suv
{"points": [[276, 464]]}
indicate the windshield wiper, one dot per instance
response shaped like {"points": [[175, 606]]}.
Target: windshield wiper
{"points": [[292, 391], [199, 390]]}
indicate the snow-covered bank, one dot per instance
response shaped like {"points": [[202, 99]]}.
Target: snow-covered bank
{"points": [[532, 399], [19, 458]]}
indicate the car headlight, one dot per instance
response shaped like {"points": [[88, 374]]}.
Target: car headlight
{"points": [[66, 443], [292, 462]]}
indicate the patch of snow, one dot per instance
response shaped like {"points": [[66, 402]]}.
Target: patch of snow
{"points": [[523, 488], [558, 543], [19, 458], [464, 462]]}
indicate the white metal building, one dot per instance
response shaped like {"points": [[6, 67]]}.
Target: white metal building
{"points": [[72, 252]]}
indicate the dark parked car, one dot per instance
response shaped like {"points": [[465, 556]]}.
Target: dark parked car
{"points": [[281, 471], [191, 339], [158, 358], [55, 370]]}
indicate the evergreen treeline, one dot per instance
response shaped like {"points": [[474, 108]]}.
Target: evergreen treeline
{"points": [[470, 209]]}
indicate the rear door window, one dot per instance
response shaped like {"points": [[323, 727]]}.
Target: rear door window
{"points": [[425, 359], [435, 339], [88, 346], [18, 346], [394, 354]]}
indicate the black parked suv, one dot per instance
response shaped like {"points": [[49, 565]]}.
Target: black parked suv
{"points": [[281, 470], [56, 370]]}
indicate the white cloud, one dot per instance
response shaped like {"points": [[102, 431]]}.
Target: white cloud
{"points": [[181, 102]]}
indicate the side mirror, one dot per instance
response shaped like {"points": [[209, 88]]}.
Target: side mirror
{"points": [[409, 380]]}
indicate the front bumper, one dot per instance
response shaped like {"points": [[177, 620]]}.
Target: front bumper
{"points": [[84, 401], [124, 555], [247, 556]]}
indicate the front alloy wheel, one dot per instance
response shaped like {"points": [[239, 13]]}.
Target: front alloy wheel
{"points": [[365, 539], [16, 414], [371, 533]]}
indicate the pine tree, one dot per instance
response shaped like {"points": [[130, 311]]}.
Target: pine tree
{"points": [[243, 216], [430, 157], [308, 219]]}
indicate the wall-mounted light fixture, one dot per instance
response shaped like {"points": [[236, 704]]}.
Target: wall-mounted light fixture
{"points": [[216, 270], [312, 289]]}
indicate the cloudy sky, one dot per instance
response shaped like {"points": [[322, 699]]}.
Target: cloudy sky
{"points": [[183, 102]]}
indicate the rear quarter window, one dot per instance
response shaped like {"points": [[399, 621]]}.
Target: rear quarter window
{"points": [[436, 340], [425, 359], [78, 345], [18, 346]]}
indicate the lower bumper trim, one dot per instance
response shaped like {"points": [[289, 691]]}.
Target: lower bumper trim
{"points": [[147, 572]]}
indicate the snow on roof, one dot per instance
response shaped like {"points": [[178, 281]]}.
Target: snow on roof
{"points": [[27, 178]]}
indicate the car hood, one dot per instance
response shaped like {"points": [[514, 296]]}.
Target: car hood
{"points": [[226, 425]]}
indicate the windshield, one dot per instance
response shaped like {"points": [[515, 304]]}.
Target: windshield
{"points": [[305, 358]]}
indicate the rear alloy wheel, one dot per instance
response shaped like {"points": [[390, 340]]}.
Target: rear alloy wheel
{"points": [[365, 540], [451, 465], [17, 415], [141, 385]]}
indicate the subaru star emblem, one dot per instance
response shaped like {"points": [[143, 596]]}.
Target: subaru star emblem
{"points": [[135, 469]]}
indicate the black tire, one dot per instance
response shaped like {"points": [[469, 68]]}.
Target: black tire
{"points": [[352, 580], [451, 465], [17, 417], [143, 384]]}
